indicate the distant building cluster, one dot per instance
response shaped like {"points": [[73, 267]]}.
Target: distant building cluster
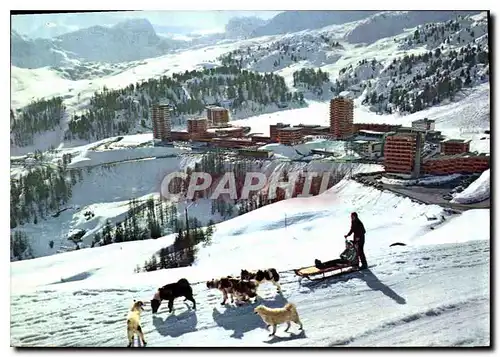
{"points": [[415, 150], [215, 125], [403, 152], [213, 130]]}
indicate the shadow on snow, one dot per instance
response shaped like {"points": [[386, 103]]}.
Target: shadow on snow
{"points": [[292, 336], [232, 317], [367, 276], [176, 325]]}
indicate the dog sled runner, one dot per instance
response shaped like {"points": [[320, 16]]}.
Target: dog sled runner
{"points": [[314, 274]]}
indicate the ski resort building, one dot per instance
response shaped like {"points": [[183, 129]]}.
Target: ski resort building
{"points": [[231, 142], [454, 146], [161, 118], [180, 136], [402, 153], [274, 129], [261, 139], [197, 128], [370, 135], [368, 148], [217, 116], [312, 129], [229, 131], [341, 117], [464, 163], [377, 127], [423, 124], [290, 136]]}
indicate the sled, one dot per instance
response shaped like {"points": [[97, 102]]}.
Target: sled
{"points": [[314, 274], [347, 263]]}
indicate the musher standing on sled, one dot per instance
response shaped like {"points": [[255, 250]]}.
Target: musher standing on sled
{"points": [[358, 229]]}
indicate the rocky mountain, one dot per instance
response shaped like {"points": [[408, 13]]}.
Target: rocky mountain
{"points": [[293, 21], [27, 53], [126, 41], [243, 26]]}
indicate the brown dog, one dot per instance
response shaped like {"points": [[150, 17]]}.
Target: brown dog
{"points": [[134, 323], [242, 290], [274, 317]]}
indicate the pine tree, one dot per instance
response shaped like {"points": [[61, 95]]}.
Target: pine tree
{"points": [[163, 258], [119, 235], [106, 234], [154, 263]]}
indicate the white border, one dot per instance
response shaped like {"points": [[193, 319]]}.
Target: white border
{"points": [[195, 5]]}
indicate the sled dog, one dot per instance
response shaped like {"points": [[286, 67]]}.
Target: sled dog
{"points": [[232, 287], [134, 323], [260, 276], [274, 317], [170, 292]]}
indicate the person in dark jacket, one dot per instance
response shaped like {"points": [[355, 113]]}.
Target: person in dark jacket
{"points": [[358, 231]]}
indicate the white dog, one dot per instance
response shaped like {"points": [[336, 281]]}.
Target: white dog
{"points": [[274, 317], [134, 323]]}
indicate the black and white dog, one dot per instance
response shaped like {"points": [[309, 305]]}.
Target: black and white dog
{"points": [[260, 276], [170, 292]]}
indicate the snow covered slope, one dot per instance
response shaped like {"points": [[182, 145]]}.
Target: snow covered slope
{"points": [[477, 191], [410, 296], [25, 88], [391, 23], [107, 174], [104, 190], [418, 300]]}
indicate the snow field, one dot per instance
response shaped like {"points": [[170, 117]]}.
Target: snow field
{"points": [[414, 286], [411, 293]]}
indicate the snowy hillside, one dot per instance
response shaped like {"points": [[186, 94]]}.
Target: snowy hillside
{"points": [[102, 188], [115, 112], [91, 229], [80, 189], [395, 71], [418, 298], [431, 68], [391, 23], [458, 32], [477, 191]]}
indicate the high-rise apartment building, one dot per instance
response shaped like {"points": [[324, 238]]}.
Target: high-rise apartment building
{"points": [[341, 117], [161, 119]]}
